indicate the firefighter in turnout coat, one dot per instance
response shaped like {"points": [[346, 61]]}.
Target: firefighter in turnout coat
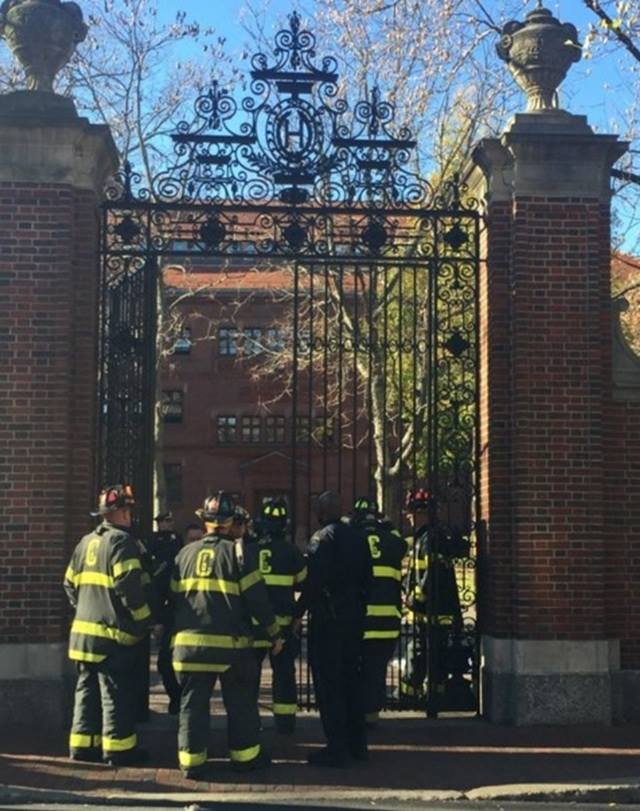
{"points": [[387, 549], [103, 584], [217, 588], [433, 598], [283, 569]]}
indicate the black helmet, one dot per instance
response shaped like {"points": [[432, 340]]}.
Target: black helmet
{"points": [[365, 507], [115, 497], [217, 508], [274, 515]]}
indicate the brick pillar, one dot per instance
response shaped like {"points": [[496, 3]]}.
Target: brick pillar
{"points": [[52, 168], [548, 655]]}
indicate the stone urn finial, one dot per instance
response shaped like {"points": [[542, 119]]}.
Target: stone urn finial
{"points": [[539, 53], [43, 35]]}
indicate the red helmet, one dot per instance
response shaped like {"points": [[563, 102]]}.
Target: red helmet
{"points": [[115, 497], [417, 500]]}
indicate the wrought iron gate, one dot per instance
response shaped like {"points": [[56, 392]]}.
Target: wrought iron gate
{"points": [[374, 336]]}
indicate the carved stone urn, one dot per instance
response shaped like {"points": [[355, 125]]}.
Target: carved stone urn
{"points": [[539, 53], [43, 35]]}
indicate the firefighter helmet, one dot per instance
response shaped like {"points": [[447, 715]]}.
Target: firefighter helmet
{"points": [[365, 507], [417, 500], [115, 497], [217, 508], [274, 515]]}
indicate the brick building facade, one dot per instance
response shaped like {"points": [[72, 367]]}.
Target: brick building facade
{"points": [[228, 419]]}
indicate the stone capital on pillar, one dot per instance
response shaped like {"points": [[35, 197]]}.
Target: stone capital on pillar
{"points": [[546, 155], [43, 140]]}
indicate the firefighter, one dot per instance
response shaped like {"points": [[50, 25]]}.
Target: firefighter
{"points": [[217, 588], [165, 545], [387, 549], [283, 569], [412, 682], [336, 592], [435, 599], [103, 584]]}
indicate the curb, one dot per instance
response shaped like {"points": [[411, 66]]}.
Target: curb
{"points": [[625, 792]]}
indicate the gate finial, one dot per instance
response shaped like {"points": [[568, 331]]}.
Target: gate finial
{"points": [[43, 34], [539, 53]]}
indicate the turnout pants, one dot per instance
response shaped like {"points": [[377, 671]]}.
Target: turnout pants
{"points": [[336, 664], [415, 671], [104, 706], [240, 702], [376, 657], [283, 686]]}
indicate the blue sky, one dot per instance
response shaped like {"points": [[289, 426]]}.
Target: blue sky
{"points": [[597, 87]]}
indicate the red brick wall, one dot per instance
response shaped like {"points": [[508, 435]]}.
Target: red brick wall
{"points": [[546, 346], [622, 520], [47, 383]]}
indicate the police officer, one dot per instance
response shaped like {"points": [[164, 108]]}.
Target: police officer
{"points": [[283, 569], [387, 549], [217, 588], [336, 593], [435, 596], [164, 546], [103, 584]]}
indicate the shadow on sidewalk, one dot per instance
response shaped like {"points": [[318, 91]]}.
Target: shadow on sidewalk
{"points": [[405, 753]]}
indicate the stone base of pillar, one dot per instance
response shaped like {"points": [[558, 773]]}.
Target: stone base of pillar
{"points": [[529, 682], [626, 697], [36, 686]]}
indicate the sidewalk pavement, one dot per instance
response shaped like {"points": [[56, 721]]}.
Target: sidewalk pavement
{"points": [[411, 758]]}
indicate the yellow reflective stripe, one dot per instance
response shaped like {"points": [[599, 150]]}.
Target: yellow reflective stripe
{"points": [[83, 656], [245, 755], [70, 575], [204, 584], [396, 533], [187, 759], [145, 578], [119, 744], [262, 643], [420, 565], [80, 741], [381, 634], [272, 630], [95, 629], [279, 579], [283, 621], [126, 566], [387, 571], [285, 709], [94, 579], [141, 613], [383, 611], [210, 640], [198, 667], [302, 575], [250, 580]]}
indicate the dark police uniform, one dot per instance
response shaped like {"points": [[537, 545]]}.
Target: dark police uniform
{"points": [[217, 588], [336, 594], [112, 615], [164, 547], [387, 549], [283, 569]]}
